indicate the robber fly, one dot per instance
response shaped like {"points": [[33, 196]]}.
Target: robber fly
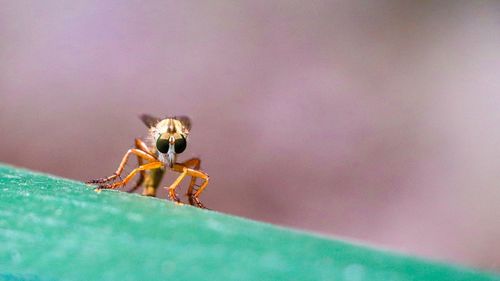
{"points": [[167, 139]]}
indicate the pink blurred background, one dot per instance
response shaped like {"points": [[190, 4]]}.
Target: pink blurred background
{"points": [[374, 121]]}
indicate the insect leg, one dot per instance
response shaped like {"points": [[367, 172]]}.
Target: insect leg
{"points": [[201, 175], [171, 189], [143, 146], [137, 152], [194, 163], [149, 166], [139, 144]]}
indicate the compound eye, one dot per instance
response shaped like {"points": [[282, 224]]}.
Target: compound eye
{"points": [[162, 145], [180, 144]]}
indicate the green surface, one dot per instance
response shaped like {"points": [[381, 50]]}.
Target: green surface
{"points": [[57, 229]]}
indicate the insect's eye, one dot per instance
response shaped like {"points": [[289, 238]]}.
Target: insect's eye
{"points": [[162, 145], [180, 145]]}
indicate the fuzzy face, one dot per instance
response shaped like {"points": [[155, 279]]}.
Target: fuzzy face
{"points": [[169, 137]]}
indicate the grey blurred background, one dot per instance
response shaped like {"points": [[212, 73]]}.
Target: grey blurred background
{"points": [[375, 121]]}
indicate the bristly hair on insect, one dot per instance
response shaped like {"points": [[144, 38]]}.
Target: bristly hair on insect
{"points": [[167, 139]]}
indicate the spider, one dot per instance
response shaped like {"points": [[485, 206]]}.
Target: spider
{"points": [[168, 137]]}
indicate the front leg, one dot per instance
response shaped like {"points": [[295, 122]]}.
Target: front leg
{"points": [[139, 144], [118, 172], [196, 196], [171, 189], [195, 164], [185, 171], [149, 166]]}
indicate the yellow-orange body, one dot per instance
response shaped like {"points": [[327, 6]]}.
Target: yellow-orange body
{"points": [[167, 138]]}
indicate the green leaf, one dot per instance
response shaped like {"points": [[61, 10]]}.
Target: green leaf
{"points": [[57, 229]]}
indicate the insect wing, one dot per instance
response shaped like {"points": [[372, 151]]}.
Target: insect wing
{"points": [[149, 120], [186, 122]]}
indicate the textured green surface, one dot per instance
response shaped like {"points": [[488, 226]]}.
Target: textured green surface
{"points": [[57, 229]]}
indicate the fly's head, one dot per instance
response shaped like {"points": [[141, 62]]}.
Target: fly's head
{"points": [[170, 137]]}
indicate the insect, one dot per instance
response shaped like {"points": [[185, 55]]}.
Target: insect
{"points": [[167, 138]]}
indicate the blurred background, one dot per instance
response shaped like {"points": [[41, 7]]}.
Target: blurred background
{"points": [[375, 121]]}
